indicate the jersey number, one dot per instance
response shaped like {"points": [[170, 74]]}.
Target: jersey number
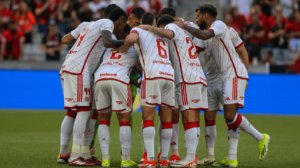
{"points": [[193, 55], [161, 51], [81, 37], [116, 55]]}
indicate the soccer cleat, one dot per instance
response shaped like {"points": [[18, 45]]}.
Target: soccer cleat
{"points": [[184, 163], [144, 157], [95, 160], [105, 163], [131, 163], [147, 163], [226, 163], [209, 159], [174, 159], [80, 161], [263, 146], [63, 159], [93, 150], [163, 163]]}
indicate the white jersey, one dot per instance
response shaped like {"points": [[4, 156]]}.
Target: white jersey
{"points": [[185, 57], [88, 48], [117, 66], [154, 55], [221, 58]]}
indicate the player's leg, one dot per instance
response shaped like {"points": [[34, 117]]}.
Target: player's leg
{"points": [[197, 123], [174, 140], [104, 137], [93, 129]]}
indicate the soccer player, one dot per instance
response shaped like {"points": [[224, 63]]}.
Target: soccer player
{"points": [[113, 94], [190, 94], [80, 63], [157, 87], [227, 76]]}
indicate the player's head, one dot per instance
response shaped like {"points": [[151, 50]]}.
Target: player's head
{"points": [[119, 17], [109, 9], [205, 13], [164, 20], [135, 16], [149, 19], [168, 11]]}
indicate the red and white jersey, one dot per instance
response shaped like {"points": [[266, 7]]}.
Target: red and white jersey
{"points": [[117, 66], [154, 55], [88, 48], [221, 58], [185, 57]]}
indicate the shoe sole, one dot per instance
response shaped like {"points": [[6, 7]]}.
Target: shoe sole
{"points": [[208, 163], [266, 148]]}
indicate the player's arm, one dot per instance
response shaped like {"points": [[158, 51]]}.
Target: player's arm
{"points": [[165, 33], [68, 39], [203, 35], [129, 41], [243, 55], [108, 42]]}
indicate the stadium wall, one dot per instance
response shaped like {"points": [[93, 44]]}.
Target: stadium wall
{"points": [[35, 89]]}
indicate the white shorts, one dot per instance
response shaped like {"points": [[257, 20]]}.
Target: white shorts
{"points": [[157, 92], [112, 95], [193, 97], [227, 91], [77, 91]]}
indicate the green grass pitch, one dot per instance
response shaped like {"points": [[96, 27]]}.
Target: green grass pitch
{"points": [[31, 139]]}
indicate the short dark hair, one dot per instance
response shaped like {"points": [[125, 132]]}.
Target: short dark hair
{"points": [[148, 18], [116, 14], [208, 8], [127, 29], [164, 20], [109, 9], [138, 12], [170, 11]]}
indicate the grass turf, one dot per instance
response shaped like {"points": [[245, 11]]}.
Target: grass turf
{"points": [[31, 139]]}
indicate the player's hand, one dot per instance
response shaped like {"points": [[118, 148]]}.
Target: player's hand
{"points": [[145, 27], [246, 85], [179, 24], [179, 19], [136, 82]]}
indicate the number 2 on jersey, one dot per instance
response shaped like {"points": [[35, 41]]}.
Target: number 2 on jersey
{"points": [[193, 55], [161, 51], [116, 55]]}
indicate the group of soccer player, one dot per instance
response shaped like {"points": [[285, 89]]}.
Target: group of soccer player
{"points": [[100, 75]]}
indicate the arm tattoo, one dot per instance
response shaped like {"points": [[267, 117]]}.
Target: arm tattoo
{"points": [[162, 32], [203, 35], [106, 35]]}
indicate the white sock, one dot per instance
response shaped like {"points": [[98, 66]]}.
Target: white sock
{"points": [[85, 148], [248, 128], [149, 134], [104, 137], [166, 135], [65, 134], [78, 133], [191, 143], [92, 129], [174, 140], [210, 137], [198, 134], [125, 139], [233, 138], [159, 132], [144, 148]]}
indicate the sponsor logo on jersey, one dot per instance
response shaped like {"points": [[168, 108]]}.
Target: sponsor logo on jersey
{"points": [[195, 64], [119, 102], [87, 99], [113, 63], [242, 97], [161, 62], [153, 96], [196, 100], [207, 136], [108, 74], [72, 52], [227, 98], [164, 73], [69, 99]]}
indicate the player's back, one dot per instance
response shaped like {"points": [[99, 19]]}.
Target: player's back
{"points": [[88, 48], [184, 57], [154, 55]]}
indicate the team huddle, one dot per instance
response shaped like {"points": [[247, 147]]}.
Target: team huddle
{"points": [[100, 75]]}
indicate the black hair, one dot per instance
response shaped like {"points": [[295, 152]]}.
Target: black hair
{"points": [[164, 20], [208, 8], [116, 14], [138, 12], [148, 19], [170, 11], [127, 29], [109, 9]]}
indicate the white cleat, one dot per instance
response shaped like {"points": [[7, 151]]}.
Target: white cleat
{"points": [[185, 163], [208, 160]]}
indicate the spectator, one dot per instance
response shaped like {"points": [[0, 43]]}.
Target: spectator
{"points": [[242, 5], [121, 3], [7, 14], [12, 43], [81, 11], [267, 5], [64, 16], [134, 5], [228, 20], [278, 12], [239, 21], [256, 9], [287, 6], [46, 10], [155, 6], [277, 35], [269, 58], [2, 27], [293, 29], [51, 45], [26, 21], [254, 36], [95, 5]]}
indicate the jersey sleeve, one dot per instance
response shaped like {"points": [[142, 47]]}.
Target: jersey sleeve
{"points": [[106, 25], [174, 28], [200, 45], [235, 38], [218, 27], [136, 31], [75, 33]]}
